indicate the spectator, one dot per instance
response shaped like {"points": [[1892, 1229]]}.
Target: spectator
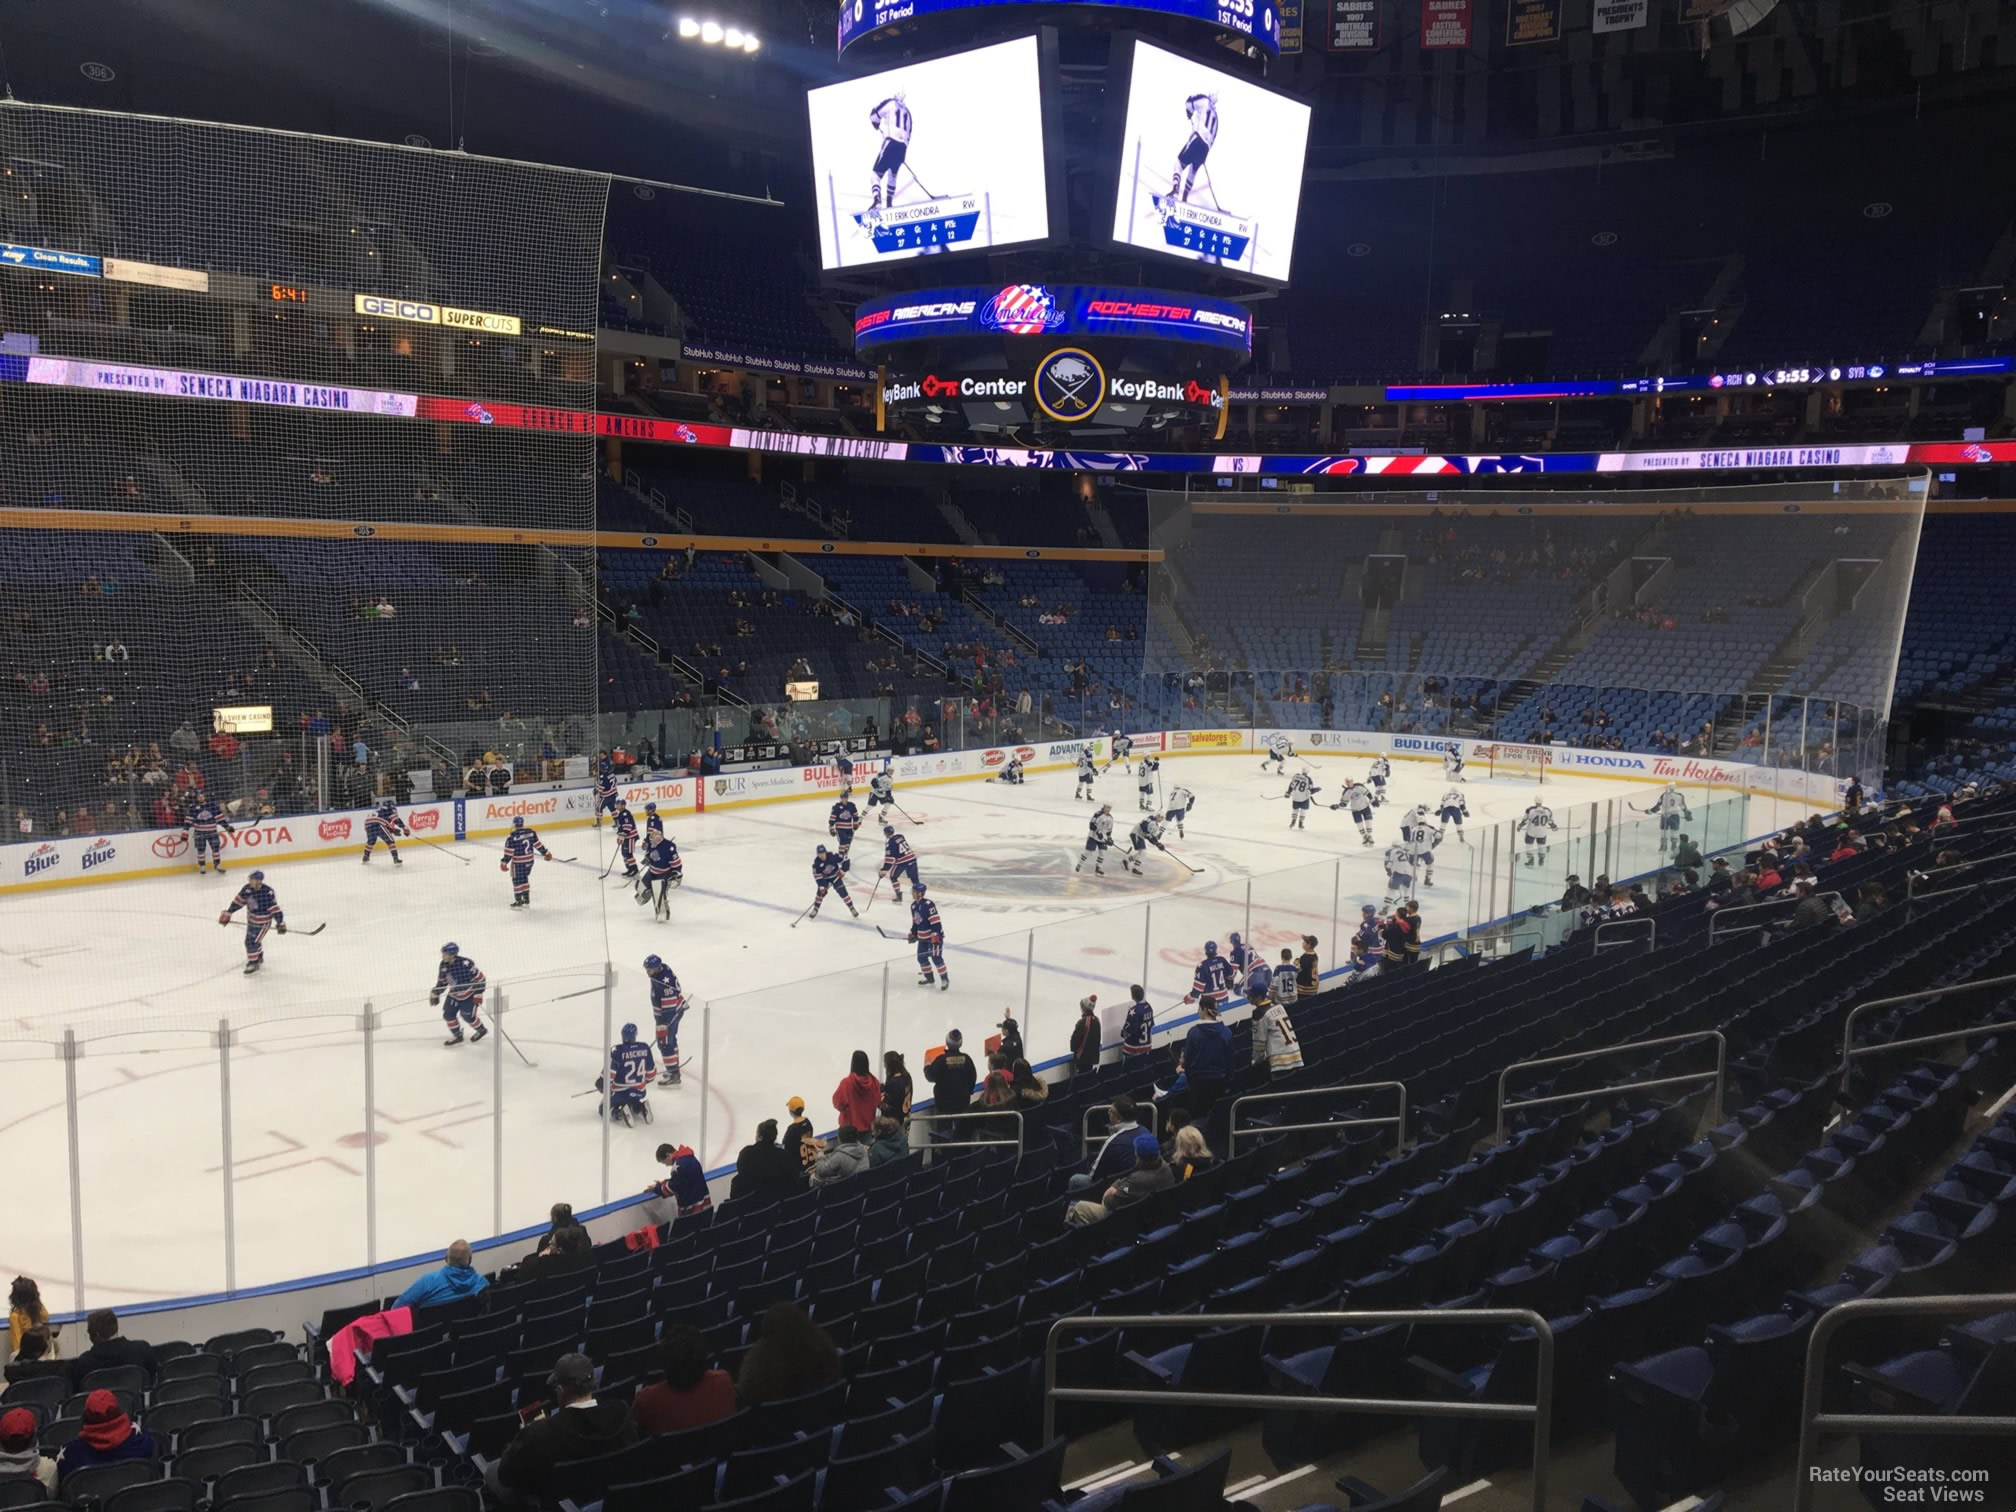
{"points": [[458, 1278], [1031, 1091], [1086, 1037], [576, 1427], [1011, 1037], [1687, 854], [952, 1076], [1811, 909], [19, 1455], [108, 1350], [890, 1142], [1286, 987], [858, 1095], [25, 1311], [895, 1087], [107, 1437], [1192, 1156], [1206, 1059], [847, 1157], [1574, 895], [1274, 1041], [791, 1356], [683, 1190], [1151, 1174], [1126, 1119], [1307, 978], [36, 1356], [997, 1093], [691, 1395], [764, 1168], [799, 1140]]}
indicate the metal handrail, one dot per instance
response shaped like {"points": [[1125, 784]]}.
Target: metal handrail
{"points": [[1913, 878], [1813, 1423], [1398, 1121], [977, 1144], [1717, 1075], [1086, 1138], [1539, 1412], [1849, 1052], [1715, 930], [1596, 937]]}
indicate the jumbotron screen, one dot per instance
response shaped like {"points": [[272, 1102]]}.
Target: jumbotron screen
{"points": [[1210, 166], [943, 156]]}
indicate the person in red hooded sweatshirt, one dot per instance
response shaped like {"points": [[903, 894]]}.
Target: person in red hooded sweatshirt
{"points": [[106, 1437], [858, 1095]]}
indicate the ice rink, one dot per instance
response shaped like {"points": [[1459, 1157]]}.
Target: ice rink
{"points": [[322, 1113]]}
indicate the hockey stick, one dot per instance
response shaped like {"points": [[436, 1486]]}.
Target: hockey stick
{"points": [[306, 934], [530, 1063], [808, 908], [431, 847], [1195, 871], [905, 938], [912, 818], [916, 180]]}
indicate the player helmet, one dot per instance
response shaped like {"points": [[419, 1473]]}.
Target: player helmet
{"points": [[652, 962], [1368, 909], [822, 850], [629, 1033], [257, 876], [917, 889], [650, 808], [1210, 947], [451, 949], [888, 829], [1233, 937], [518, 822]]}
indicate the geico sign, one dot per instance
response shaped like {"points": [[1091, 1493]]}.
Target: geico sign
{"points": [[398, 309]]}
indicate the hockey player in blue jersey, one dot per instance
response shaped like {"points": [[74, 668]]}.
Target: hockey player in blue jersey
{"points": [[262, 912], [460, 981], [1302, 791], [384, 823], [829, 869], [605, 788], [631, 1067], [1146, 782], [668, 1007], [1240, 956], [881, 790], [204, 818], [1368, 944], [842, 820], [1123, 748], [1455, 810], [1212, 980], [1181, 801], [928, 933], [626, 837], [663, 871], [519, 848], [1088, 773], [1137, 1034], [654, 825], [898, 861]]}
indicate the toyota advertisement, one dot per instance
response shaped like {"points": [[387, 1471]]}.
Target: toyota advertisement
{"points": [[1210, 166], [944, 156]]}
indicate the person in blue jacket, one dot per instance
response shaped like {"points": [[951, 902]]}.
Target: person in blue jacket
{"points": [[458, 1278], [1207, 1060]]}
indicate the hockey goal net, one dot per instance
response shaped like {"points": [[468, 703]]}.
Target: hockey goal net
{"points": [[1515, 763]]}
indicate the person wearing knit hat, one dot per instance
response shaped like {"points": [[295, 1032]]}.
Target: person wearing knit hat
{"points": [[106, 1437], [18, 1452], [953, 1076], [1087, 1037]]}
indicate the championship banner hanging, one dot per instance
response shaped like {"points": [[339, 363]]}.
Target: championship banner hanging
{"points": [[1528, 21], [1445, 24], [1619, 15], [1354, 26]]}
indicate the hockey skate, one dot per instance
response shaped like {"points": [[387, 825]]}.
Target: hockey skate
{"points": [[477, 1038], [644, 1109], [521, 902], [454, 1037], [397, 859], [924, 980], [251, 967], [944, 983], [624, 1114], [668, 1077]]}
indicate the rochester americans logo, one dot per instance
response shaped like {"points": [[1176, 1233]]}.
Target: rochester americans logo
{"points": [[1023, 310]]}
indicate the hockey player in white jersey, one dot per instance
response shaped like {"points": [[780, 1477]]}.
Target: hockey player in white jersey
{"points": [[1422, 839], [1181, 801], [1454, 810], [1098, 840], [1123, 748], [893, 126], [1302, 791], [1399, 866], [1376, 777], [1088, 773], [1146, 833], [881, 792], [1412, 819], [1452, 762], [1536, 824], [1671, 807], [1150, 766], [1358, 799], [1280, 751]]}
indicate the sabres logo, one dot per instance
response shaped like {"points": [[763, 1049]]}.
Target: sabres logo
{"points": [[1070, 385]]}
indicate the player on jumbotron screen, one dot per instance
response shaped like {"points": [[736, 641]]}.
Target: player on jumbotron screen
{"points": [[891, 119], [1202, 109]]}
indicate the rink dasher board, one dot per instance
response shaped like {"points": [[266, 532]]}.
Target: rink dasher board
{"points": [[81, 861]]}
